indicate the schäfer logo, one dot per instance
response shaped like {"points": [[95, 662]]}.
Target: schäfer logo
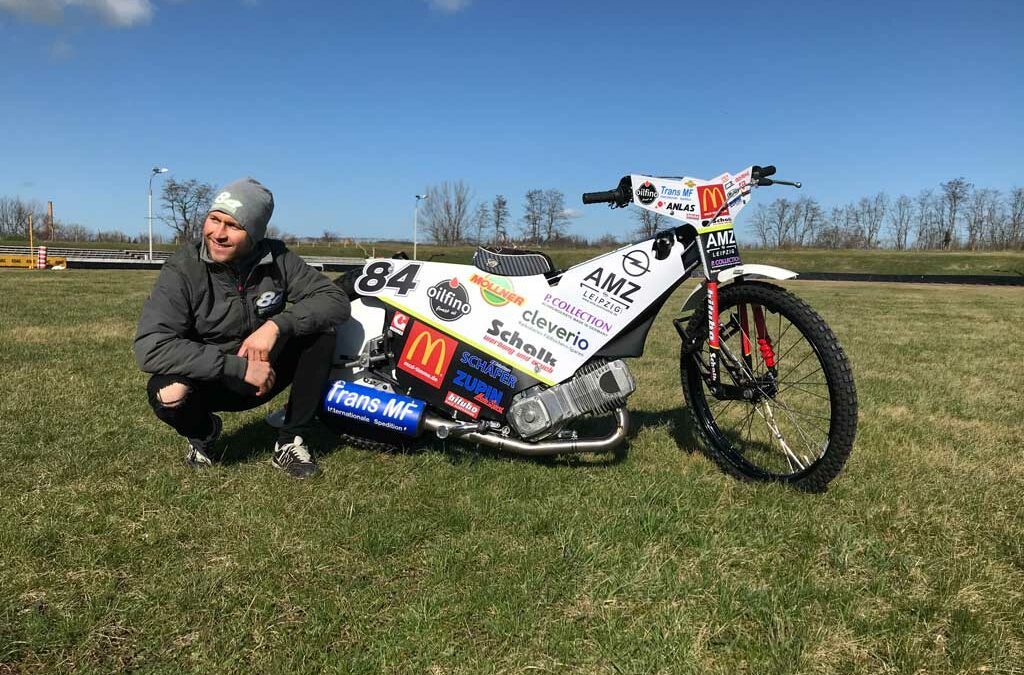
{"points": [[646, 193]]}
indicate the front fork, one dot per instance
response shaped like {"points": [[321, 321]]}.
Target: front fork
{"points": [[741, 369]]}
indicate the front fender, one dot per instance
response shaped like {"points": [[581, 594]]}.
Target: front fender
{"points": [[695, 299]]}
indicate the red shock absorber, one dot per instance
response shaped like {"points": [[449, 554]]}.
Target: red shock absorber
{"points": [[764, 342]]}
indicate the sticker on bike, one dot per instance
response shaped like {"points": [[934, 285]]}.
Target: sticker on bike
{"points": [[380, 275]]}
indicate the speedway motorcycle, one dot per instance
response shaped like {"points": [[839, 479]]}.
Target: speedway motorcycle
{"points": [[511, 353]]}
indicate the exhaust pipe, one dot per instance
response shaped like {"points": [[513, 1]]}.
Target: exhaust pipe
{"points": [[434, 423]]}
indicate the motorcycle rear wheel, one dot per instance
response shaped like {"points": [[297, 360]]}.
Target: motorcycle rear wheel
{"points": [[801, 426]]}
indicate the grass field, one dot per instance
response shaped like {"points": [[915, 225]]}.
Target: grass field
{"points": [[113, 555]]}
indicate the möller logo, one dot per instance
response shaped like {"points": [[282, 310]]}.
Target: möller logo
{"points": [[636, 263], [646, 193], [449, 300]]}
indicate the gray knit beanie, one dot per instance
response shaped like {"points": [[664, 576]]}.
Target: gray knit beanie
{"points": [[248, 202]]}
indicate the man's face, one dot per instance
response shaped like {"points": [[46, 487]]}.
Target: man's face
{"points": [[226, 241]]}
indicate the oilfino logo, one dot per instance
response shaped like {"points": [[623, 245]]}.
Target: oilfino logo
{"points": [[646, 193], [449, 300]]}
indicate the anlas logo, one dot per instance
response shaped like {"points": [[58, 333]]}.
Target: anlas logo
{"points": [[449, 300]]}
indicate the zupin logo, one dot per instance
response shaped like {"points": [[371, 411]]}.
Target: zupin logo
{"points": [[711, 198], [636, 263], [646, 193], [497, 291], [449, 300], [577, 314], [548, 328], [462, 405], [608, 291], [427, 354], [481, 390], [513, 343]]}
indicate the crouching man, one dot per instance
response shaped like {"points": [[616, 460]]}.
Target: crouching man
{"points": [[232, 321]]}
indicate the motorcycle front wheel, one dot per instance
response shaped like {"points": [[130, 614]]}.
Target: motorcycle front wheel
{"points": [[788, 409]]}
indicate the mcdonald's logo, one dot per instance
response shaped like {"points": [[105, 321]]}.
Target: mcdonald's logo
{"points": [[427, 354], [711, 198]]}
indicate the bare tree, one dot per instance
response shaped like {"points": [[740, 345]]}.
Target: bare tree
{"points": [[900, 216], [446, 212], [15, 215], [929, 220], [954, 192], [555, 219], [808, 218], [649, 223], [1015, 219], [500, 218], [870, 217], [977, 214], [481, 220], [762, 225], [187, 202], [533, 215]]}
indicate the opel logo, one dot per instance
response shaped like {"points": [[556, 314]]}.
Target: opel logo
{"points": [[636, 263]]}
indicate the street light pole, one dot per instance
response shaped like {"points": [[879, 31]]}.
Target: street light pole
{"points": [[156, 170], [415, 223]]}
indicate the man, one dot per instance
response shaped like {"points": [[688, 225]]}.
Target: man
{"points": [[231, 322]]}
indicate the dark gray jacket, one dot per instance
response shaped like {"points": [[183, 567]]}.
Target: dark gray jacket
{"points": [[200, 311]]}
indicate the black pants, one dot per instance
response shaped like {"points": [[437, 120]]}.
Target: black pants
{"points": [[304, 362]]}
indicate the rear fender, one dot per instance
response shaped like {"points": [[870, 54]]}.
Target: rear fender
{"points": [[696, 299]]}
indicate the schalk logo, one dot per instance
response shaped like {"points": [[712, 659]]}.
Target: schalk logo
{"points": [[711, 198], [449, 300], [427, 354], [497, 291], [515, 341]]}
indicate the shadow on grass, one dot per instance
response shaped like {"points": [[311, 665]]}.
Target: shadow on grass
{"points": [[257, 438]]}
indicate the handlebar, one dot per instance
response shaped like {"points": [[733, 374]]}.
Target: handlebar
{"points": [[620, 196], [623, 194], [600, 197]]}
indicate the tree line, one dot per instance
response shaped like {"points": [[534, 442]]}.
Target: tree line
{"points": [[955, 216], [450, 216]]}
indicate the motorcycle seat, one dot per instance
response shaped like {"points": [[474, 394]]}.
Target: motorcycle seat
{"points": [[512, 262]]}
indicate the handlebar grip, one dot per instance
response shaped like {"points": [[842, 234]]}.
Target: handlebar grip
{"points": [[600, 197]]}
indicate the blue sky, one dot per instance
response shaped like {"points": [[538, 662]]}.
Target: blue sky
{"points": [[348, 109]]}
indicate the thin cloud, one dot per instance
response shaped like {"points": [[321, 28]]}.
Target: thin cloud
{"points": [[449, 6], [61, 50], [572, 213], [119, 13]]}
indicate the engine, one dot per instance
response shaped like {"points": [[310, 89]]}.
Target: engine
{"points": [[597, 388]]}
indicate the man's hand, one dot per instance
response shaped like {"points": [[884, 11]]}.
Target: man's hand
{"points": [[260, 374], [258, 345]]}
